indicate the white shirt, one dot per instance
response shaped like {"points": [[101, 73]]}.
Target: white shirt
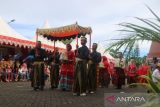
{"points": [[155, 75]]}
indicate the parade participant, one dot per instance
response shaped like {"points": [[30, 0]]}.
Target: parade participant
{"points": [[156, 74], [38, 55], [105, 72], [54, 70], [143, 70], [67, 69], [119, 75], [80, 82], [111, 71], [94, 60], [132, 72]]}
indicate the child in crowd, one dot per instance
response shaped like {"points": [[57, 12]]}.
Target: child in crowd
{"points": [[9, 73]]}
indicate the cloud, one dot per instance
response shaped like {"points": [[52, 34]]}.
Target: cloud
{"points": [[101, 15]]}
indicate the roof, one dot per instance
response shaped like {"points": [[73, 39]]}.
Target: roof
{"points": [[9, 36], [65, 32], [102, 49], [154, 50]]}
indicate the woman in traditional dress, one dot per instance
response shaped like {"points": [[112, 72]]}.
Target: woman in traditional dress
{"points": [[132, 72], [105, 72], [67, 68], [143, 70]]}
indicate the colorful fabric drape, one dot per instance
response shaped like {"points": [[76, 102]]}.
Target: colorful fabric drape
{"points": [[104, 72], [65, 32]]}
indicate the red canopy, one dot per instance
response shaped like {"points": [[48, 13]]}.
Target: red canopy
{"points": [[16, 42], [24, 43], [65, 32]]}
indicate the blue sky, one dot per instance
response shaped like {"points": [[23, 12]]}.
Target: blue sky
{"points": [[102, 15]]}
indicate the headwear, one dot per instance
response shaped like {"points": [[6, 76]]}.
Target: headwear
{"points": [[95, 44], [69, 45], [83, 38], [104, 58], [38, 42]]}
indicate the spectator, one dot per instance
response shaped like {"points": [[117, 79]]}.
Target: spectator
{"points": [[156, 74], [9, 75]]}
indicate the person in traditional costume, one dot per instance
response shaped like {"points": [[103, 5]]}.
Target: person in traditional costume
{"points": [[38, 54], [105, 72], [54, 61], [119, 74], [143, 70], [80, 75], [94, 60], [132, 73], [67, 69]]}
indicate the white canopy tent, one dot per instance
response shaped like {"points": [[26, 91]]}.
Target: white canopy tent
{"points": [[101, 49], [9, 36]]}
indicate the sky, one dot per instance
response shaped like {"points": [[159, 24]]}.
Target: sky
{"points": [[103, 16]]}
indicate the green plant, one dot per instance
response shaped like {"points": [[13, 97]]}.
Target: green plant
{"points": [[136, 33], [153, 88]]}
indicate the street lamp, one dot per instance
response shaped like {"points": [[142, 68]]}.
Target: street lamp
{"points": [[11, 21]]}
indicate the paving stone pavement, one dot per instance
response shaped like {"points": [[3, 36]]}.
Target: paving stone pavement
{"points": [[20, 94]]}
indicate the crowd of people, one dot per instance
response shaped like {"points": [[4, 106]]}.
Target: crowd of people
{"points": [[11, 70], [80, 71]]}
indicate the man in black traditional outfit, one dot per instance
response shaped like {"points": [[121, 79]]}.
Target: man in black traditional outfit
{"points": [[38, 54], [54, 71], [94, 60], [80, 75], [119, 71]]}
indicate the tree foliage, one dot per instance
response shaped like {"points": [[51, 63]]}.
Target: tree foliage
{"points": [[136, 33]]}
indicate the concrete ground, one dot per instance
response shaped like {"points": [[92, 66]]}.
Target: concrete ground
{"points": [[20, 94]]}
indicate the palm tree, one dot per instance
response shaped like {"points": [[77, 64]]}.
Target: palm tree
{"points": [[136, 33]]}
